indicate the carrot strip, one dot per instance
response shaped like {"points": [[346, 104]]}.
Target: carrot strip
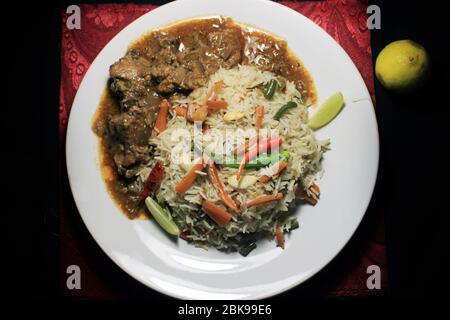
{"points": [[239, 150], [315, 189], [279, 236], [189, 178], [180, 111], [221, 189], [259, 116], [196, 112], [184, 235], [218, 214], [217, 104], [200, 114], [281, 165], [242, 148], [161, 120], [236, 200], [214, 91], [302, 194], [310, 199], [262, 146], [264, 199]]}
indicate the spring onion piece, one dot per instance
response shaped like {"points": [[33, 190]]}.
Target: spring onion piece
{"points": [[162, 217], [300, 99], [244, 251], [262, 160], [271, 87], [283, 109]]}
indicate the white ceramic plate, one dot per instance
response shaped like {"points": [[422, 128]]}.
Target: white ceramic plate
{"points": [[177, 269]]}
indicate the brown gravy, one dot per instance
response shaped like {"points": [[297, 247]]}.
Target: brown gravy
{"points": [[257, 48]]}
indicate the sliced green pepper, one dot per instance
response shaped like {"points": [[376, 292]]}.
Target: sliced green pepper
{"points": [[283, 109], [244, 251], [162, 217], [294, 225], [271, 87], [262, 160]]}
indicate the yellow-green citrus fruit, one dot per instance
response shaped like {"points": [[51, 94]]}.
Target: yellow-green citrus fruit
{"points": [[402, 66], [327, 111]]}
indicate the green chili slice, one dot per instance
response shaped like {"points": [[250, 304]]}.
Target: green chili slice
{"points": [[283, 109], [262, 160], [244, 251], [271, 87]]}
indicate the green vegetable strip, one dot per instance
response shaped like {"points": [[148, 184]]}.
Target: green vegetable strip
{"points": [[283, 109], [294, 225], [271, 87], [261, 161], [247, 249], [162, 217]]}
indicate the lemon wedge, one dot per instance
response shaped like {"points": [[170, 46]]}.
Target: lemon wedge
{"points": [[327, 111]]}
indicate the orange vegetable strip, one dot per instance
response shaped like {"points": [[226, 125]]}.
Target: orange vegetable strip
{"points": [[242, 148], [245, 146], [189, 178], [217, 104], [214, 91], [180, 111], [196, 112], [218, 214], [259, 116], [262, 146], [264, 199], [236, 200], [223, 194], [315, 189], [281, 165], [302, 194], [310, 199], [200, 114], [161, 120], [279, 236]]}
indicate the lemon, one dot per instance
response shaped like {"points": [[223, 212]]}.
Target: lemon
{"points": [[402, 66], [327, 111]]}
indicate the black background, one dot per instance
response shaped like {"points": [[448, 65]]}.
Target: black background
{"points": [[411, 189]]}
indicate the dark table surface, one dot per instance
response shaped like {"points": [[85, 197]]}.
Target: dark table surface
{"points": [[413, 168]]}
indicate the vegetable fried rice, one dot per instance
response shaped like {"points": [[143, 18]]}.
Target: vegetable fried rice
{"points": [[237, 155]]}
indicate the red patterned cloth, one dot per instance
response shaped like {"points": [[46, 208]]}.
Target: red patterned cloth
{"points": [[344, 20]]}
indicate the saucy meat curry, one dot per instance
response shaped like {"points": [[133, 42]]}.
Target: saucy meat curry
{"points": [[164, 64]]}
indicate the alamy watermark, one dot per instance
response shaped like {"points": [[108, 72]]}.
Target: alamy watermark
{"points": [[374, 18], [73, 280], [74, 17], [374, 279], [221, 146]]}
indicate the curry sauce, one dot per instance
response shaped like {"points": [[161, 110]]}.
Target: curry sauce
{"points": [[167, 62]]}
